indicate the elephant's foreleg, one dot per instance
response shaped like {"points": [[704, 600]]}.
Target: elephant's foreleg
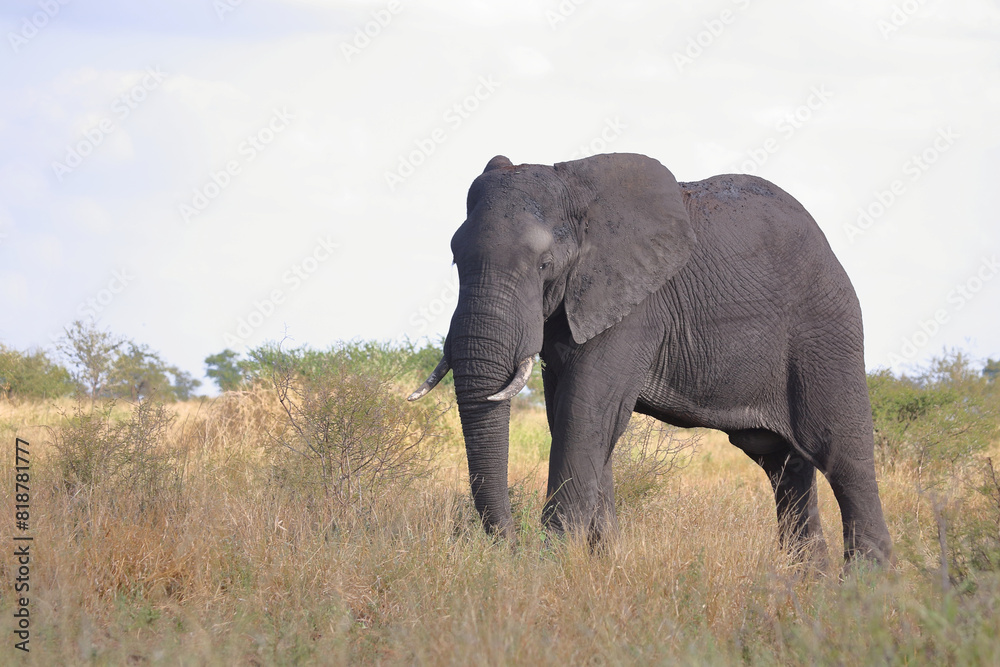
{"points": [[606, 504], [590, 392], [581, 486]]}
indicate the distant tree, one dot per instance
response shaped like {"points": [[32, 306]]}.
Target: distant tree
{"points": [[183, 385], [107, 366], [32, 375], [138, 373], [226, 369], [90, 354]]}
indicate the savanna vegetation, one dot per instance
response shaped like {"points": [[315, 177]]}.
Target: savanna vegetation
{"points": [[310, 515]]}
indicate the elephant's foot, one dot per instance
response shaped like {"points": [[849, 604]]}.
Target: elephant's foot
{"points": [[598, 533], [810, 552], [868, 551]]}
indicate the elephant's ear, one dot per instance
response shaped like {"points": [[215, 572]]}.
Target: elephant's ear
{"points": [[635, 234]]}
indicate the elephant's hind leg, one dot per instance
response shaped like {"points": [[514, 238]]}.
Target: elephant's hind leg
{"points": [[833, 420], [793, 480], [865, 533]]}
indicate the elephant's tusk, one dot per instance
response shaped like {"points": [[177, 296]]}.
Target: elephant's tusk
{"points": [[517, 384], [439, 372]]}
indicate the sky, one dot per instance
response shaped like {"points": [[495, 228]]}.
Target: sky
{"points": [[208, 174]]}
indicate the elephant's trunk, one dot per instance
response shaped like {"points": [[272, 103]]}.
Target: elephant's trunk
{"points": [[486, 427], [486, 342]]}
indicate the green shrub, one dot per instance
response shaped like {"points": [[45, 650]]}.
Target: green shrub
{"points": [[933, 423], [991, 370], [935, 427], [31, 375], [535, 396]]}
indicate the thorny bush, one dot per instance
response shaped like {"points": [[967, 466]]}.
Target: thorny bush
{"points": [[125, 457], [347, 427], [645, 457]]}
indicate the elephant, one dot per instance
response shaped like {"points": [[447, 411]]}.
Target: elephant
{"points": [[716, 303]]}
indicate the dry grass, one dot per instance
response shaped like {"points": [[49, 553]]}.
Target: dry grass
{"points": [[239, 569]]}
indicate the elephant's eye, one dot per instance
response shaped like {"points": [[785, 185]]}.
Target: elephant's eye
{"points": [[545, 264]]}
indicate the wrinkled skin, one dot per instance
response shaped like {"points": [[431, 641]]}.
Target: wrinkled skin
{"points": [[717, 304]]}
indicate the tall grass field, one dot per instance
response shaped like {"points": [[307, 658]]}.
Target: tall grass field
{"points": [[314, 517]]}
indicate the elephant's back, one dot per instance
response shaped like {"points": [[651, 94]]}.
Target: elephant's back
{"points": [[750, 229], [743, 211]]}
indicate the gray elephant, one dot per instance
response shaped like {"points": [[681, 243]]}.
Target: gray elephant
{"points": [[717, 303]]}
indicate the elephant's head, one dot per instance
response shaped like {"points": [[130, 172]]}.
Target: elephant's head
{"points": [[593, 236]]}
